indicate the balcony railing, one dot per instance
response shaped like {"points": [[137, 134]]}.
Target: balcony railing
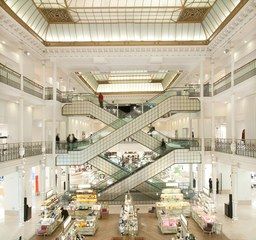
{"points": [[32, 87], [62, 97], [9, 77], [11, 151], [240, 75]]}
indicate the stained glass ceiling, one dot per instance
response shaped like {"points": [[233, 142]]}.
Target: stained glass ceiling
{"points": [[92, 21]]}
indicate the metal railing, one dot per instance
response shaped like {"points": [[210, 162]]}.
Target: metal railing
{"points": [[9, 77], [32, 87], [240, 75], [11, 151]]}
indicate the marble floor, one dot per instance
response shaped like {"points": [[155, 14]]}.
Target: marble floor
{"points": [[242, 229]]}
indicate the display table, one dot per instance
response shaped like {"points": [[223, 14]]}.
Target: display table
{"points": [[203, 219], [168, 224], [128, 221], [173, 208], [87, 226], [69, 230], [50, 216]]}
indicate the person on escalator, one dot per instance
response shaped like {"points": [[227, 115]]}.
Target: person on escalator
{"points": [[101, 98], [163, 145]]}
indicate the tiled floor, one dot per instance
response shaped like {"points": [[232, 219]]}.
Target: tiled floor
{"points": [[242, 229]]}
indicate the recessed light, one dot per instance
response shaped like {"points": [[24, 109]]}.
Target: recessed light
{"points": [[238, 97], [226, 102], [245, 41], [3, 42], [27, 53]]}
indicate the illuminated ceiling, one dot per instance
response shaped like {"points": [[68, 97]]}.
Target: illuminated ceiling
{"points": [[120, 22], [128, 81]]}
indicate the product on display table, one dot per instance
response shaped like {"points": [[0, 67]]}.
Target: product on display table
{"points": [[84, 202], [87, 226], [69, 230], [51, 216], [168, 224], [104, 211], [128, 221], [204, 220]]}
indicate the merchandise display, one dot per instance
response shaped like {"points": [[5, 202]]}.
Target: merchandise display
{"points": [[203, 214], [50, 216], [104, 211], [87, 226], [172, 203], [69, 230], [168, 224], [128, 221]]}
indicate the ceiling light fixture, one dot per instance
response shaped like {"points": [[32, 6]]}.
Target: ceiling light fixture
{"points": [[27, 53], [226, 51], [245, 41], [3, 42]]}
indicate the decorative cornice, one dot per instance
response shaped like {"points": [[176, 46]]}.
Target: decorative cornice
{"points": [[8, 24], [124, 51], [243, 17]]}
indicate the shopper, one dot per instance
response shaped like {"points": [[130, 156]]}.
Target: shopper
{"points": [[69, 142], [101, 98], [210, 185], [57, 141], [74, 141], [163, 145], [64, 213], [217, 186]]}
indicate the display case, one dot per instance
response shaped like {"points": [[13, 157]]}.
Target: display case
{"points": [[69, 230], [168, 225], [128, 221], [87, 226], [50, 216]]}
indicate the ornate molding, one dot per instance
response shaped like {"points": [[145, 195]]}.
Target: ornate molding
{"points": [[85, 52], [9, 25], [243, 17]]}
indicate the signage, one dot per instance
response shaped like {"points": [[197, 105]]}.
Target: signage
{"points": [[184, 221], [49, 194], [67, 222], [172, 184]]}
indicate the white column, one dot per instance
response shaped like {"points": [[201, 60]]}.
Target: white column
{"points": [[202, 122], [42, 177], [21, 188], [213, 108], [54, 101], [191, 176], [214, 177], [59, 185], [199, 178], [234, 189], [67, 180], [21, 68], [232, 69], [190, 127]]}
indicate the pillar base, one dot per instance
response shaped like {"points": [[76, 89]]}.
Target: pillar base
{"points": [[234, 218]]}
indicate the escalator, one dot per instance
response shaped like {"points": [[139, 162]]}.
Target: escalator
{"points": [[165, 160], [171, 101]]}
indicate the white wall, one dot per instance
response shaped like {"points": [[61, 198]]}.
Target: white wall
{"points": [[244, 193], [225, 171], [10, 185]]}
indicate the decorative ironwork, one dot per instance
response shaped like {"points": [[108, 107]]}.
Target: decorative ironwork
{"points": [[56, 15], [193, 14]]}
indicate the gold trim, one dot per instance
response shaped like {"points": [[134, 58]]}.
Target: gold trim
{"points": [[126, 43], [228, 19], [85, 82], [7, 9], [174, 79]]}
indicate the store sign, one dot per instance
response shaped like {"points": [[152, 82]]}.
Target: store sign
{"points": [[172, 184], [67, 222], [49, 194], [184, 221]]}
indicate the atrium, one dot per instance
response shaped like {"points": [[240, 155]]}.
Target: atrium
{"points": [[127, 119]]}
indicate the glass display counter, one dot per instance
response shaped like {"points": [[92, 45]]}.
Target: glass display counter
{"points": [[87, 226], [50, 216]]}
